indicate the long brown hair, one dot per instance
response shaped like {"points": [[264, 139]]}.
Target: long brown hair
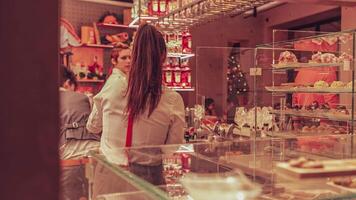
{"points": [[145, 79]]}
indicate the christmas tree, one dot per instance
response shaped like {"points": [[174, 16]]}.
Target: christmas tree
{"points": [[236, 79]]}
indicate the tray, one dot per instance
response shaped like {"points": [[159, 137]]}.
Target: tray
{"points": [[331, 168]]}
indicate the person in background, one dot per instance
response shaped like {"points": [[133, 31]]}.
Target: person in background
{"points": [[136, 110], [75, 139], [210, 107], [120, 59]]}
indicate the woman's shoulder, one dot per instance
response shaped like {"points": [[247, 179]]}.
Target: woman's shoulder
{"points": [[115, 85], [172, 96]]}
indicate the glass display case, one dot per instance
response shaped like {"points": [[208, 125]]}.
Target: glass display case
{"points": [[299, 168], [301, 84], [310, 82]]}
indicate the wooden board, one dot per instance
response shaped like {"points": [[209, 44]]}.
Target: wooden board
{"points": [[331, 168]]}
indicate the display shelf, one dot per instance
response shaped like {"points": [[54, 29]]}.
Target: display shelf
{"points": [[294, 134], [135, 23], [304, 65], [330, 168], [89, 81], [118, 26], [181, 89], [177, 69], [98, 46], [180, 55], [285, 89], [315, 114]]}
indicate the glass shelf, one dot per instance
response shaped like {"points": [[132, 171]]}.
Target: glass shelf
{"points": [[284, 89], [314, 114], [304, 65], [118, 26]]}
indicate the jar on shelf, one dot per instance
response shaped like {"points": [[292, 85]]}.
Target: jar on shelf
{"points": [[177, 73], [172, 5], [186, 42], [153, 8], [163, 5], [168, 73], [186, 74], [179, 42]]}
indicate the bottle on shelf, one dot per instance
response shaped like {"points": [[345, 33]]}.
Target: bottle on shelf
{"points": [[162, 7], [179, 42], [167, 72], [155, 7], [172, 5], [177, 73], [186, 77], [186, 42]]}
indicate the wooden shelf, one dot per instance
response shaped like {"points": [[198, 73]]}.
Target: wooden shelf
{"points": [[90, 81], [98, 46], [118, 26]]}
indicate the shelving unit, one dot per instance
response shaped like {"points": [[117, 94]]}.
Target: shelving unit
{"points": [[90, 81]]}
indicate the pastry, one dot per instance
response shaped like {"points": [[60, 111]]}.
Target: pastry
{"points": [[325, 106], [306, 129], [305, 163], [331, 40], [342, 109], [312, 165], [315, 105], [349, 85], [328, 58], [337, 84], [316, 58], [321, 84], [344, 57], [297, 162], [317, 41], [287, 57], [345, 182], [313, 128], [344, 37], [321, 129]]}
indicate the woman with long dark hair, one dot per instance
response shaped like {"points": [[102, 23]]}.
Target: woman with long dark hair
{"points": [[137, 111]]}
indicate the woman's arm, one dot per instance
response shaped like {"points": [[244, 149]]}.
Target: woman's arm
{"points": [[95, 121], [176, 129]]}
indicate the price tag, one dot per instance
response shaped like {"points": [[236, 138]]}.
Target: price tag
{"points": [[347, 65], [257, 71]]}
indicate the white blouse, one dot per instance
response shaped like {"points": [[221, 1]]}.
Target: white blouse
{"points": [[164, 126]]}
